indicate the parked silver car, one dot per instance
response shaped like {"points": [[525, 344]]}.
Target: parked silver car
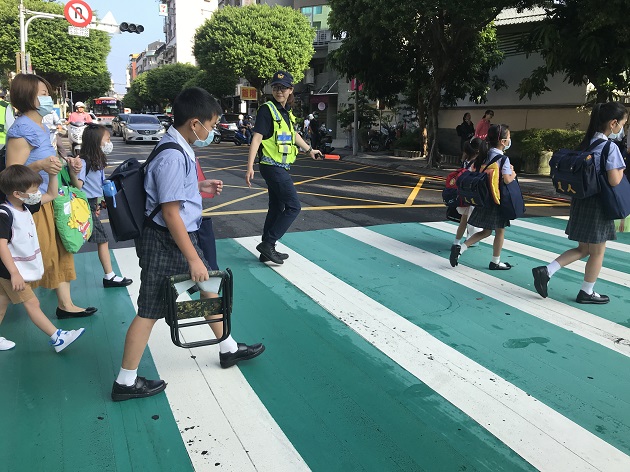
{"points": [[142, 128]]}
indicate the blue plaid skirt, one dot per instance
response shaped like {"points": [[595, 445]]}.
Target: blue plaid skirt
{"points": [[587, 223]]}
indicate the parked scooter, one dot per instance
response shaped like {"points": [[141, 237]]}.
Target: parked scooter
{"points": [[75, 135], [382, 139], [325, 140], [217, 135]]}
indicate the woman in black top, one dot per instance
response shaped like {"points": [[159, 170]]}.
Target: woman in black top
{"points": [[465, 130]]}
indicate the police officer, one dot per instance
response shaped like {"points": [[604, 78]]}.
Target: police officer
{"points": [[6, 117], [274, 142]]}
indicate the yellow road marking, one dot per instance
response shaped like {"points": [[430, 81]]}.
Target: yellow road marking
{"points": [[347, 198], [414, 192]]}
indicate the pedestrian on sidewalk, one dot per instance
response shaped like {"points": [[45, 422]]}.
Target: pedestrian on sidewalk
{"points": [[274, 147], [587, 224], [472, 161], [20, 255], [95, 146], [28, 143], [465, 130], [6, 117], [490, 218], [170, 240], [481, 130]]}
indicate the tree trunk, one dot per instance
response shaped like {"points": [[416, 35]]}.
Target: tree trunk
{"points": [[422, 122]]}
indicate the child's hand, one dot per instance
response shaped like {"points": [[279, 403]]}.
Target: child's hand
{"points": [[198, 271], [17, 282], [213, 187], [51, 165], [74, 164]]}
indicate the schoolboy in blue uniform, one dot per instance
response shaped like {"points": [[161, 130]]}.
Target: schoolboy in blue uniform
{"points": [[170, 242]]}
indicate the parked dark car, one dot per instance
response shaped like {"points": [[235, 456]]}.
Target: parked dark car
{"points": [[142, 128], [118, 123], [227, 126]]}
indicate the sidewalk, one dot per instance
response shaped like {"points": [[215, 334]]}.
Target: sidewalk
{"points": [[530, 183]]}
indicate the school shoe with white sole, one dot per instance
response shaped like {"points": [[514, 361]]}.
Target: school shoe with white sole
{"points": [[65, 338], [5, 344], [499, 266]]}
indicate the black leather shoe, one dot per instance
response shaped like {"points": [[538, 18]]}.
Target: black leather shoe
{"points": [[269, 251], [142, 388], [541, 279], [283, 255], [63, 314], [454, 257], [243, 353], [593, 299], [109, 283], [499, 266]]}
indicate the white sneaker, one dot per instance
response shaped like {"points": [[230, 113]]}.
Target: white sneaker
{"points": [[65, 338], [5, 344]]}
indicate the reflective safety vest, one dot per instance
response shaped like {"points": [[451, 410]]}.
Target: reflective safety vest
{"points": [[3, 116], [280, 147]]}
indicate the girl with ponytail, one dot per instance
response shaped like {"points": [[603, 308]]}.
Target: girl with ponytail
{"points": [[587, 224], [490, 218]]}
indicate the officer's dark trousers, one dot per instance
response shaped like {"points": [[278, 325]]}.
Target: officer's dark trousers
{"points": [[284, 205]]}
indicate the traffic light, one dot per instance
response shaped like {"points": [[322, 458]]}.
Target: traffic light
{"points": [[130, 28]]}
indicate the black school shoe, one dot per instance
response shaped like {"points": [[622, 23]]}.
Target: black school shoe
{"points": [[454, 257], [63, 314], [109, 283], [140, 389], [269, 251], [500, 266], [243, 353], [541, 279], [593, 299], [283, 255]]}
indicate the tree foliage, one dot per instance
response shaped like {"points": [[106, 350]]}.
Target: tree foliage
{"points": [[221, 84], [137, 97], [86, 87], [54, 54], [368, 115], [435, 51], [165, 82], [254, 42], [585, 41]]}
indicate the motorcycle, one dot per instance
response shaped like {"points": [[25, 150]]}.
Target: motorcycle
{"points": [[325, 140], [382, 139], [217, 135], [75, 135], [242, 136]]}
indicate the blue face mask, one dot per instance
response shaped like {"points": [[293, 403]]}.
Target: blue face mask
{"points": [[45, 105], [207, 141]]}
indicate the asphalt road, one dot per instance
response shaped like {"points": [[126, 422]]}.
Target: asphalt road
{"points": [[333, 193]]}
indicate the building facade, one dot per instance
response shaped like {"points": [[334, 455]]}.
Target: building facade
{"points": [[180, 25]]}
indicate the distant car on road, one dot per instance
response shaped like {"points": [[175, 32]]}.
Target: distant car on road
{"points": [[166, 120], [227, 125], [118, 123], [142, 128]]}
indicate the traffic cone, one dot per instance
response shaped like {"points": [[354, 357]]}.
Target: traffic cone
{"points": [[332, 157]]}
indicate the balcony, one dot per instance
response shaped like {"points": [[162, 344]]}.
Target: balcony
{"points": [[322, 38]]}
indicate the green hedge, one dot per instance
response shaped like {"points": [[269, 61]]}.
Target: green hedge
{"points": [[529, 144]]}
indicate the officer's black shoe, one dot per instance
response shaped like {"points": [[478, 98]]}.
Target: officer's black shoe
{"points": [[269, 251], [283, 255]]}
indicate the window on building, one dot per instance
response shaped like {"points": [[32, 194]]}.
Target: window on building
{"points": [[308, 11], [317, 25], [317, 10]]}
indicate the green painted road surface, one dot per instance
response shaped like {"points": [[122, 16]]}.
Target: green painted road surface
{"points": [[380, 357]]}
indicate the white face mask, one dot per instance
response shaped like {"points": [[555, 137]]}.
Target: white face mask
{"points": [[107, 148], [31, 198], [507, 146]]}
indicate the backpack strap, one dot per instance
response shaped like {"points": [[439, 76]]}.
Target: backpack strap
{"points": [[6, 210], [156, 151], [603, 156], [494, 159]]}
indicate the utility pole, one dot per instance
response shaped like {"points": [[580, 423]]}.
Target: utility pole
{"points": [[355, 131]]}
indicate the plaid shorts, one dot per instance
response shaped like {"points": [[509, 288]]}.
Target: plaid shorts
{"points": [[488, 218], [159, 258]]}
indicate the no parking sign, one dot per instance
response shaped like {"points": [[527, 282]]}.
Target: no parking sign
{"points": [[78, 13]]}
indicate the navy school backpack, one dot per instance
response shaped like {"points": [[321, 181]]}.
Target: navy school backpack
{"points": [[126, 204], [473, 187], [573, 172]]}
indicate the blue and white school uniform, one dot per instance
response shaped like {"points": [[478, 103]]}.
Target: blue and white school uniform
{"points": [[587, 223], [93, 188]]}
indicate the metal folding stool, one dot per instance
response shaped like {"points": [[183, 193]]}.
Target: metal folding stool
{"points": [[178, 311]]}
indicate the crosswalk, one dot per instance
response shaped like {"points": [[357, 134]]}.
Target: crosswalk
{"points": [[380, 356]]}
